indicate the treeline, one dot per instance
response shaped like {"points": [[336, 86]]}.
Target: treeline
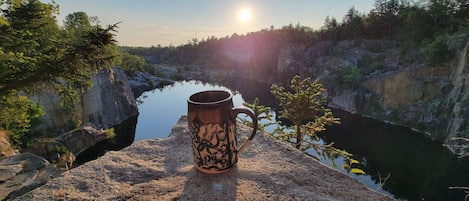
{"points": [[422, 24]]}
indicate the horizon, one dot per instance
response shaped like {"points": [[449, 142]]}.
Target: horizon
{"points": [[178, 22]]}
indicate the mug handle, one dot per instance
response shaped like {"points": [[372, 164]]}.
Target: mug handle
{"points": [[250, 113]]}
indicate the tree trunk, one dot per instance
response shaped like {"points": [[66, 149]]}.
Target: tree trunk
{"points": [[299, 135]]}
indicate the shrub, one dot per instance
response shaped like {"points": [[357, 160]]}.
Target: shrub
{"points": [[376, 65], [19, 114], [110, 133], [436, 51]]}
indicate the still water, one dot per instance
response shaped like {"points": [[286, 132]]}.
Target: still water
{"points": [[399, 162], [160, 109]]}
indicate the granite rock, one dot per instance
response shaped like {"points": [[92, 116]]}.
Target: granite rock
{"points": [[162, 169], [23, 172]]}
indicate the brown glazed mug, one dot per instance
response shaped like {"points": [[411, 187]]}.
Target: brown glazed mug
{"points": [[212, 123]]}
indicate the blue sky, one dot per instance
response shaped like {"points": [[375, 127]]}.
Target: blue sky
{"points": [[152, 22]]}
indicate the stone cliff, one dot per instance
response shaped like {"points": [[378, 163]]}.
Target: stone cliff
{"points": [[393, 85], [110, 101]]}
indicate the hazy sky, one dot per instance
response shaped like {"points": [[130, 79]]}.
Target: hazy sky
{"points": [[152, 22]]}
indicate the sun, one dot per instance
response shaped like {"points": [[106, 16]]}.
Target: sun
{"points": [[244, 15]]}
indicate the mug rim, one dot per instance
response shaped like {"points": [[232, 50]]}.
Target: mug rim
{"points": [[230, 96]]}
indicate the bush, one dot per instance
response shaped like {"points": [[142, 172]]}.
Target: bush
{"points": [[352, 76], [18, 115], [436, 51], [376, 65], [110, 133]]}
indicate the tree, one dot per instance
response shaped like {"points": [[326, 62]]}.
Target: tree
{"points": [[77, 24], [382, 20], [34, 51], [317, 120], [132, 63], [352, 24], [305, 107], [261, 112]]}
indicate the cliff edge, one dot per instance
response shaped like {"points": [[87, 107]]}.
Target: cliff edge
{"points": [[162, 169]]}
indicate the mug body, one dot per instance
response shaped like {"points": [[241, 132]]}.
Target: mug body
{"points": [[212, 127]]}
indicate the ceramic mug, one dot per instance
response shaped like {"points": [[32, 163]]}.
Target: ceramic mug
{"points": [[212, 123]]}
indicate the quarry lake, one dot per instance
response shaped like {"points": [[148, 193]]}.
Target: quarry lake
{"points": [[398, 161]]}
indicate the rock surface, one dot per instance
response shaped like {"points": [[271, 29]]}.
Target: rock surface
{"points": [[22, 172], [82, 138], [109, 102], [5, 147], [393, 86], [162, 169], [144, 81]]}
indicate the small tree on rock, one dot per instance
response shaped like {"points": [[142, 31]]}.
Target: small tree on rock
{"points": [[304, 104]]}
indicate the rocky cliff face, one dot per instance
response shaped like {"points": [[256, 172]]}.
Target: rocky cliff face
{"points": [[394, 86], [109, 102], [457, 100]]}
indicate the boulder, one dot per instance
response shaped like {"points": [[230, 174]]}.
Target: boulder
{"points": [[82, 138], [23, 172], [162, 169], [143, 81]]}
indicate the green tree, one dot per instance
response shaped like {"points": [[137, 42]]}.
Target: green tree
{"points": [[305, 106], [262, 113], [309, 129], [76, 25], [34, 51], [352, 24], [132, 63]]}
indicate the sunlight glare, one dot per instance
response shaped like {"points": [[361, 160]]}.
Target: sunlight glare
{"points": [[244, 15]]}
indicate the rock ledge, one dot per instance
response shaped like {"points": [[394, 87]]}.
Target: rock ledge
{"points": [[161, 169]]}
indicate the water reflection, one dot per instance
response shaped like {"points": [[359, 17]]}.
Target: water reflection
{"points": [[418, 168]]}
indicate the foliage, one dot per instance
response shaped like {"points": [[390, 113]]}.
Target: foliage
{"points": [[408, 22], [35, 51], [132, 63], [305, 107], [18, 114], [110, 133], [261, 112], [436, 51], [376, 65], [350, 167], [352, 76], [61, 149]]}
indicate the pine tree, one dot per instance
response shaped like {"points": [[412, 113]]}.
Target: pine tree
{"points": [[305, 106]]}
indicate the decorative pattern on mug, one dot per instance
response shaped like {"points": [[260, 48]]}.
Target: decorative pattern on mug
{"points": [[214, 148]]}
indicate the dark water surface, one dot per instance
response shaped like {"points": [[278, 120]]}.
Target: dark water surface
{"points": [[398, 161]]}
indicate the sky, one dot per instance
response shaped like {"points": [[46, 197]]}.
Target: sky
{"points": [[146, 23]]}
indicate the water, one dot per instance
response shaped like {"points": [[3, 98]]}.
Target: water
{"points": [[398, 161], [160, 109]]}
